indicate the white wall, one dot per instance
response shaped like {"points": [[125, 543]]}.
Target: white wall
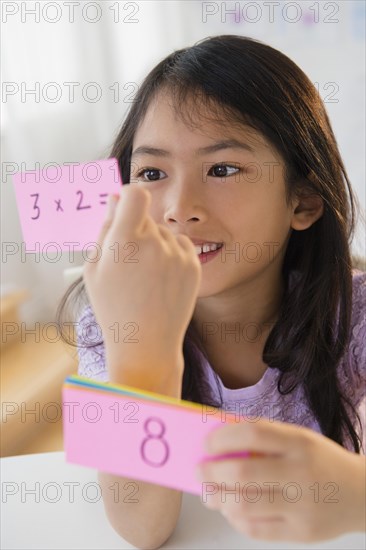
{"points": [[327, 42]]}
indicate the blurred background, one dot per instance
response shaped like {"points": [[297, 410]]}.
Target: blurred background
{"points": [[70, 71]]}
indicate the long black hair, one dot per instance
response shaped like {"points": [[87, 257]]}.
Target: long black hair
{"points": [[256, 85]]}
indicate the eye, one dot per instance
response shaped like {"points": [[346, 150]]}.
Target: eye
{"points": [[223, 170], [152, 174]]}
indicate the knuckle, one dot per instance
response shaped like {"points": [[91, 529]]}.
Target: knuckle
{"points": [[253, 433], [305, 442]]}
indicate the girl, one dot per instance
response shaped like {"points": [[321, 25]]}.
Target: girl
{"points": [[239, 206]]}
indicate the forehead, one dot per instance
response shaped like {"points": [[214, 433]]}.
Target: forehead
{"points": [[198, 119]]}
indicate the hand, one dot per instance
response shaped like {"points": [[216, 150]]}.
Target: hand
{"points": [[306, 488], [148, 291]]}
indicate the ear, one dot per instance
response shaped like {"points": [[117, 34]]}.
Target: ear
{"points": [[309, 208]]}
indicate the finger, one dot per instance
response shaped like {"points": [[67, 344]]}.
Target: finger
{"points": [[269, 506], [243, 502], [186, 243], [264, 436], [111, 207], [178, 241], [131, 212], [262, 528], [167, 235], [249, 507], [255, 510], [276, 529], [242, 515], [260, 471]]}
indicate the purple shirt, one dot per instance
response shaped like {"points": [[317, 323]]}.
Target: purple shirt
{"points": [[262, 399]]}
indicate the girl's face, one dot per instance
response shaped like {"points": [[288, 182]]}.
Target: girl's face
{"points": [[219, 184]]}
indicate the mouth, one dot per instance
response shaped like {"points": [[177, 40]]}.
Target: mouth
{"points": [[207, 248]]}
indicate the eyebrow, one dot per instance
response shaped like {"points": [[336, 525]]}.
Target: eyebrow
{"points": [[218, 146]]}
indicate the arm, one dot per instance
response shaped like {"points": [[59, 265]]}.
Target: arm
{"points": [[149, 522], [157, 292]]}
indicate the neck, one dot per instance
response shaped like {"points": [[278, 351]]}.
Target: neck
{"points": [[234, 326], [250, 308]]}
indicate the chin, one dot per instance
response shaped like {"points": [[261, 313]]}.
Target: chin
{"points": [[211, 288]]}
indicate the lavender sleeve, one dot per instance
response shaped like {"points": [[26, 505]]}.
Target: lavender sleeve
{"points": [[352, 372], [353, 367], [92, 363]]}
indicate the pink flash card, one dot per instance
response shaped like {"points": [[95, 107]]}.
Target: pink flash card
{"points": [[62, 207], [142, 435]]}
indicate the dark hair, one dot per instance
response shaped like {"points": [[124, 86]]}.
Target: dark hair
{"points": [[254, 84]]}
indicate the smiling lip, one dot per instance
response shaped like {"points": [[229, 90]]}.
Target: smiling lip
{"points": [[202, 241], [207, 256]]}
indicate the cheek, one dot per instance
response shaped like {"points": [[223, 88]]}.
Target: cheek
{"points": [[259, 237], [273, 224], [260, 227], [264, 215]]}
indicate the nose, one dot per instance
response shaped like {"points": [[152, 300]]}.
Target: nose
{"points": [[184, 205]]}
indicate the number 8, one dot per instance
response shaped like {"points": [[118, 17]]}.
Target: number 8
{"points": [[153, 436]]}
